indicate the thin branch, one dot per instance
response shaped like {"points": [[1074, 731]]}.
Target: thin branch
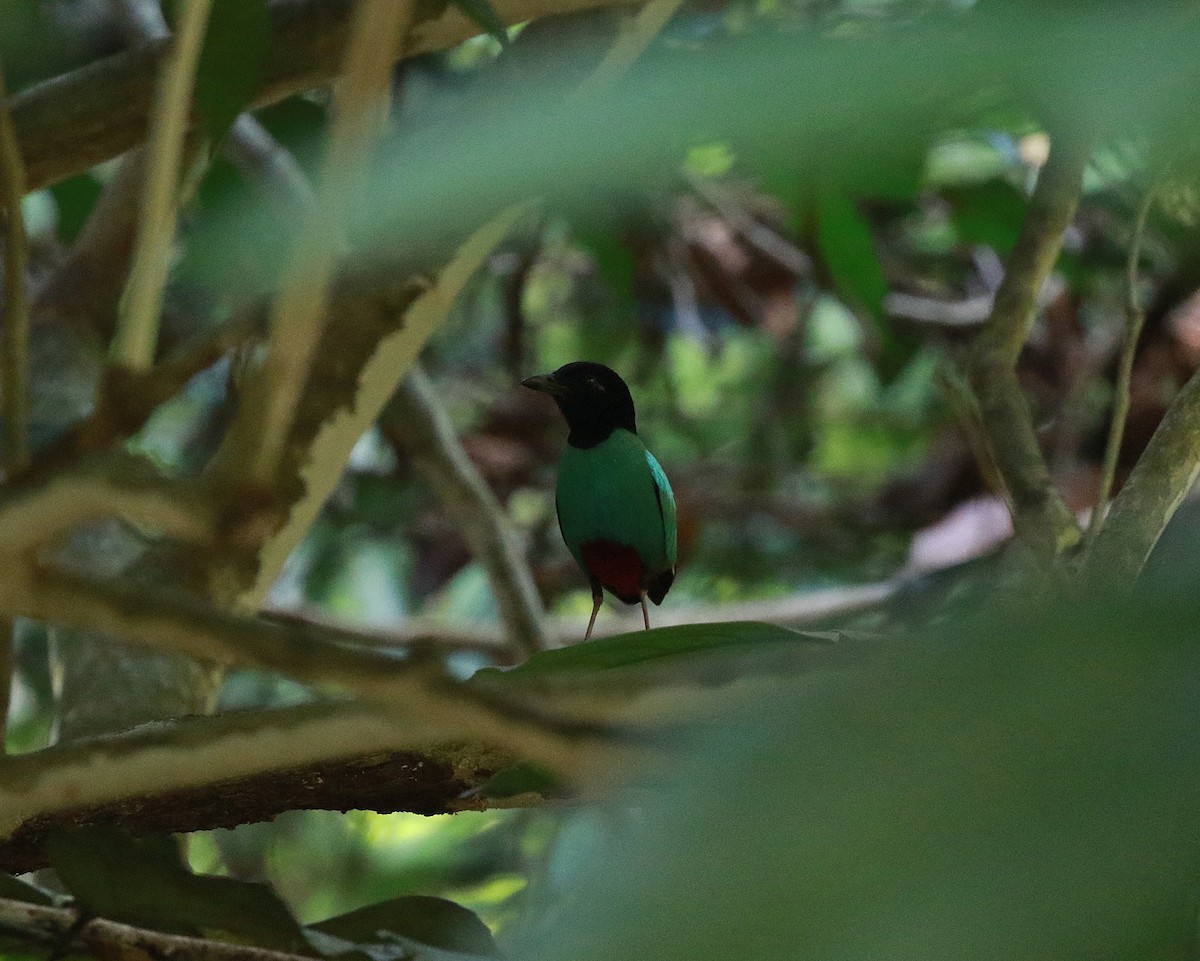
{"points": [[259, 156], [52, 932], [298, 318], [137, 328], [419, 424], [15, 348], [1135, 317], [1040, 516]]}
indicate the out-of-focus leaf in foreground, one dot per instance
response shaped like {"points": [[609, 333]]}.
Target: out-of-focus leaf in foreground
{"points": [[1004, 790]]}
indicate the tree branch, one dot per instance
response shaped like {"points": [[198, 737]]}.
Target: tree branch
{"points": [[372, 341], [37, 510], [16, 305], [57, 930], [408, 688], [242, 767], [298, 317], [137, 327], [418, 423], [1040, 516], [73, 122]]}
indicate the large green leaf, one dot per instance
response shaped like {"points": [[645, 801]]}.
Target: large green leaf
{"points": [[1015, 786], [433, 921], [144, 882], [232, 61], [640, 647]]}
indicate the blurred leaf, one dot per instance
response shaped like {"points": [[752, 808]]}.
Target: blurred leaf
{"points": [[1016, 786], [483, 13], [232, 61], [845, 242], [143, 882], [520, 779], [638, 647], [75, 198], [433, 921], [990, 213], [17, 890], [847, 247]]}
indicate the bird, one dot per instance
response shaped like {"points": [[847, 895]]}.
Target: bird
{"points": [[616, 510]]}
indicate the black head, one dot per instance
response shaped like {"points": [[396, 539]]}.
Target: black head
{"points": [[593, 399]]}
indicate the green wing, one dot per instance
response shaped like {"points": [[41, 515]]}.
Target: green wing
{"points": [[617, 491], [666, 506]]}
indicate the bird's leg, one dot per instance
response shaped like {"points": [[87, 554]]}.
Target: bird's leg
{"points": [[645, 611], [597, 598]]}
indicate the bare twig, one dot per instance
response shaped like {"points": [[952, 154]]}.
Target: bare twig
{"points": [[259, 156], [419, 425], [298, 317], [1135, 317], [137, 328], [1040, 517], [16, 305]]}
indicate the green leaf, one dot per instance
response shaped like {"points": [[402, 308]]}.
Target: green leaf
{"points": [[847, 248], [17, 890], [990, 213], [845, 242], [232, 61], [484, 14], [75, 198], [520, 779], [144, 882], [639, 647], [433, 921]]}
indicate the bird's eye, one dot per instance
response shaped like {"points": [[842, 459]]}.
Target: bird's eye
{"points": [[595, 384]]}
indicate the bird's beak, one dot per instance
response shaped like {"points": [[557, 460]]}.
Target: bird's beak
{"points": [[544, 383]]}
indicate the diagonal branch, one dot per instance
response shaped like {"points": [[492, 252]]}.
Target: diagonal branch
{"points": [[1040, 516], [137, 328], [298, 318], [418, 424]]}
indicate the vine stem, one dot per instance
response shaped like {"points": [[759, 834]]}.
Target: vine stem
{"points": [[1135, 318]]}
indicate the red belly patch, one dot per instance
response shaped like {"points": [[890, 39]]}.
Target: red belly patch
{"points": [[616, 566]]}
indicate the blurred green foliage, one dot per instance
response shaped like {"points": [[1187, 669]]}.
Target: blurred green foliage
{"points": [[1012, 785]]}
